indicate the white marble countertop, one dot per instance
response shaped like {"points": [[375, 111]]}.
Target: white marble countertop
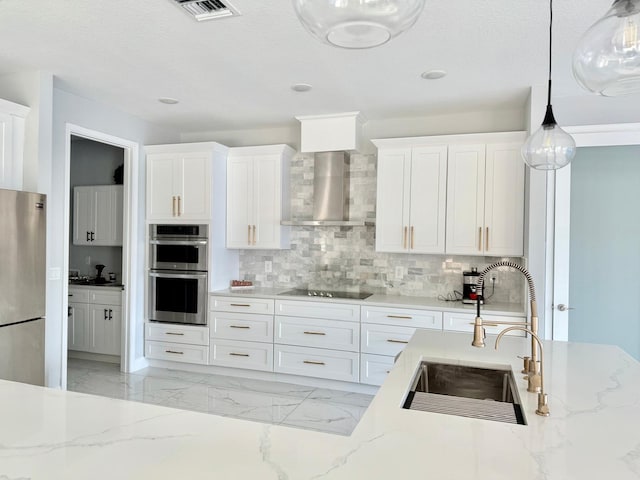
{"points": [[394, 301], [594, 397]]}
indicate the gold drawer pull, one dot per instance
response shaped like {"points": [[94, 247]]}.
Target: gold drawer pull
{"points": [[240, 305], [405, 317], [486, 243], [312, 362], [239, 326], [173, 333], [173, 351], [404, 238], [314, 333], [480, 239], [239, 354], [412, 237], [391, 340]]}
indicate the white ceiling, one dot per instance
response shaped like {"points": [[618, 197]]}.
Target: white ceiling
{"points": [[236, 73]]}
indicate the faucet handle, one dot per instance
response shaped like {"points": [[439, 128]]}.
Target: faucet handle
{"points": [[534, 383], [543, 405], [526, 361]]}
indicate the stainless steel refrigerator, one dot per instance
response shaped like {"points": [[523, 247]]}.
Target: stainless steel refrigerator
{"points": [[22, 286]]}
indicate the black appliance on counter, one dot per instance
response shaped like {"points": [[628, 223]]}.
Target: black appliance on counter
{"points": [[178, 277], [469, 286]]}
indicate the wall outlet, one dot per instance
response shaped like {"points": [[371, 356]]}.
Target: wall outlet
{"points": [[399, 273], [268, 266]]}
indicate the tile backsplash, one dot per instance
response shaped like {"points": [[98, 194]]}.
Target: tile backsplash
{"points": [[344, 258]]}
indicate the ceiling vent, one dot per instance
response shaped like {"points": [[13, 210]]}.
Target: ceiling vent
{"points": [[207, 9]]}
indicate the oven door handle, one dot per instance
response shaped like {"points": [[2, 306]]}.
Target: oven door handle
{"points": [[178, 242], [177, 275]]}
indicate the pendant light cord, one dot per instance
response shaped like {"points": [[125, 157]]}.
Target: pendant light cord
{"points": [[550, 30]]}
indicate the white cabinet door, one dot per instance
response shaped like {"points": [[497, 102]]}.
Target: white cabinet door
{"points": [[267, 201], [78, 327], [393, 197], [83, 206], [239, 202], [107, 215], [428, 199], [12, 128], [104, 329], [193, 186], [504, 201], [465, 200], [161, 203]]}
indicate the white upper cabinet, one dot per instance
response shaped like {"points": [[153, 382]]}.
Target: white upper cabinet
{"points": [[97, 215], [485, 200], [12, 121], [258, 197], [411, 199], [179, 179]]}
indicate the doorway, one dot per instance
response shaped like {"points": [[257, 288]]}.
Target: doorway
{"points": [[126, 260], [597, 239]]}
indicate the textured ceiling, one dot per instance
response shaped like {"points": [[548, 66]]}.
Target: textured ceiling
{"points": [[236, 73]]}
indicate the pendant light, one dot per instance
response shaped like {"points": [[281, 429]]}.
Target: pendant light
{"points": [[357, 23], [607, 60], [550, 147]]}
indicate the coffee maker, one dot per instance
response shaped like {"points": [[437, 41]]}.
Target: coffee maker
{"points": [[469, 286]]}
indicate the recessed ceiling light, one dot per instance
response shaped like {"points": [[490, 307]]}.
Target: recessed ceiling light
{"points": [[168, 100], [301, 87], [433, 74]]}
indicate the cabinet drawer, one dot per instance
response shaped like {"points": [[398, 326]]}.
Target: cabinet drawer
{"points": [[332, 311], [105, 297], [177, 352], [320, 333], [78, 295], [314, 362], [177, 334], [385, 339], [402, 317], [241, 326], [251, 355], [374, 368], [463, 322], [241, 304]]}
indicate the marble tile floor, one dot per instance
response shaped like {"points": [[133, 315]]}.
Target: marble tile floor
{"points": [[279, 403]]}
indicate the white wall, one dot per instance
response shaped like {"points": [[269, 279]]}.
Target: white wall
{"points": [[69, 108]]}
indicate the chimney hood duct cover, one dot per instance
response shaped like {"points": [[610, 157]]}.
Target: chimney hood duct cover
{"points": [[330, 192]]}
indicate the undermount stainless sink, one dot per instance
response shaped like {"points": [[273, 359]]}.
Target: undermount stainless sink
{"points": [[466, 391]]}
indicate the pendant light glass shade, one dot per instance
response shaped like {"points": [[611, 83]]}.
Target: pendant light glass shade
{"points": [[549, 147], [607, 60], [357, 23]]}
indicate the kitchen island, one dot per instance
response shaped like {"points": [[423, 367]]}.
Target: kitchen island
{"points": [[594, 397]]}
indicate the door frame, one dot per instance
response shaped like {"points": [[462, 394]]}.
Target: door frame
{"points": [[129, 241], [584, 136]]}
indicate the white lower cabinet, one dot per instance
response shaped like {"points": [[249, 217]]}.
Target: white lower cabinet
{"points": [[385, 339], [463, 322], [179, 343], [241, 326], [374, 368], [95, 320], [317, 362], [240, 354], [317, 332]]}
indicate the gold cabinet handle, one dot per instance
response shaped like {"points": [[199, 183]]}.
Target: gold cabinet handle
{"points": [[233, 354], [174, 352], [480, 239], [179, 206], [239, 304], [173, 333], [412, 236], [314, 333], [486, 240], [173, 205], [313, 362], [248, 234], [405, 317], [239, 326], [254, 234], [391, 340], [404, 238]]}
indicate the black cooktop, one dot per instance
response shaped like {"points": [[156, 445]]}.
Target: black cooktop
{"points": [[327, 294]]}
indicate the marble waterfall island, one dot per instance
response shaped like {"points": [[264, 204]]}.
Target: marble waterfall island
{"points": [[594, 397]]}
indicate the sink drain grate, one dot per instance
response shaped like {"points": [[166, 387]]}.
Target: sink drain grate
{"points": [[465, 407]]}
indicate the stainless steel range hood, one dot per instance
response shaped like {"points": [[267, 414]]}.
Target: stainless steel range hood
{"points": [[330, 192]]}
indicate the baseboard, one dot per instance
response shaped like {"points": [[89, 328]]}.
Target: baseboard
{"points": [[96, 357]]}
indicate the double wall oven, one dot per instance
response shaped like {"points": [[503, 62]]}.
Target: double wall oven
{"points": [[178, 273]]}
